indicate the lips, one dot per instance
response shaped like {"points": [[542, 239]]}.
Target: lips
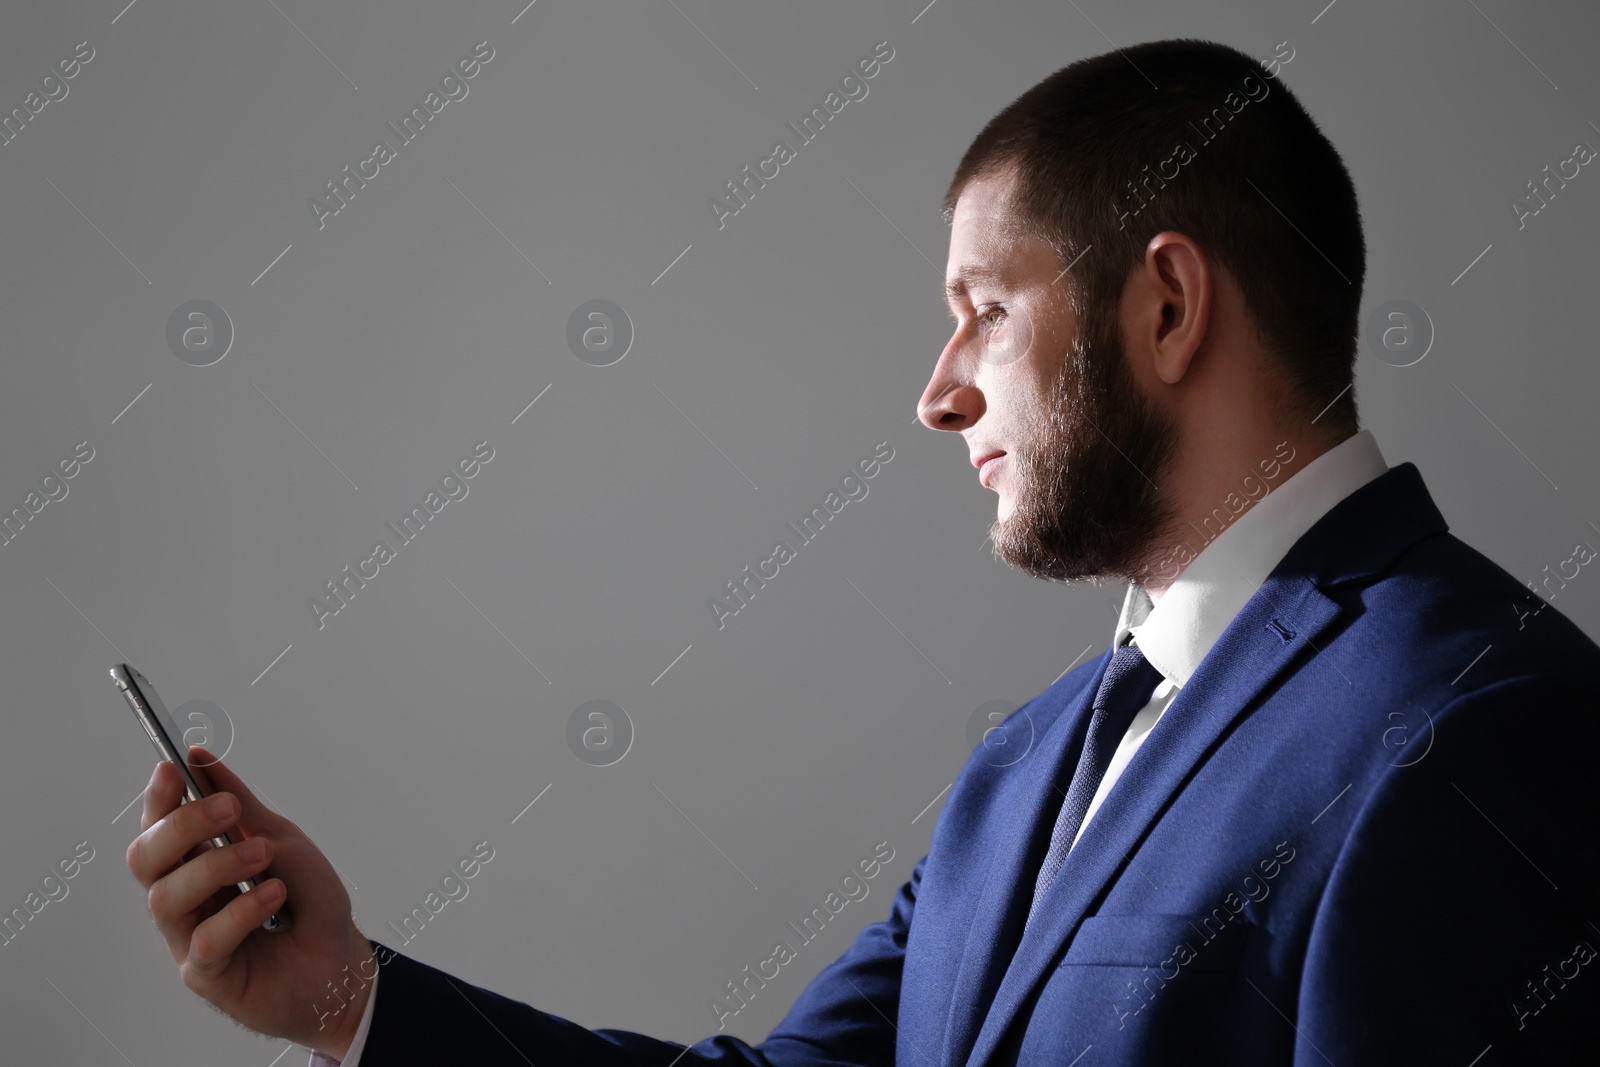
{"points": [[987, 465]]}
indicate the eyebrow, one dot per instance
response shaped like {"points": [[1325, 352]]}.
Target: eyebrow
{"points": [[957, 286]]}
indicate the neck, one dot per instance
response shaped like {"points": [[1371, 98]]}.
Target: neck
{"points": [[1212, 486]]}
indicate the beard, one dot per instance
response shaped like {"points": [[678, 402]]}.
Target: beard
{"points": [[1084, 506]]}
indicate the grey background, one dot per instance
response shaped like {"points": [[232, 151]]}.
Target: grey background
{"points": [[795, 339]]}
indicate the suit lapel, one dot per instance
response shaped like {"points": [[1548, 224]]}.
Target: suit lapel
{"points": [[1248, 656]]}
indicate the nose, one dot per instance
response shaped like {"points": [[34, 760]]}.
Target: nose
{"points": [[951, 400]]}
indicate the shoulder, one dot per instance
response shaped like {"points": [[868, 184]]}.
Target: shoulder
{"points": [[1445, 620]]}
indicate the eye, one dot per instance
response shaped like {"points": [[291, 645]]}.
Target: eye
{"points": [[989, 318]]}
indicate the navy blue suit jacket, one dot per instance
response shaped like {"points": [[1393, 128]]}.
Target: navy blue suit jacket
{"points": [[1364, 832]]}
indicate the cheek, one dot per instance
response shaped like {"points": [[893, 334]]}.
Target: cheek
{"points": [[1040, 391], [1007, 397], [1054, 330]]}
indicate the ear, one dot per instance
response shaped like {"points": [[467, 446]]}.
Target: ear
{"points": [[1177, 286]]}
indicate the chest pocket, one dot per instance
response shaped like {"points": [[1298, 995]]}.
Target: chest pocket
{"points": [[1156, 989], [1167, 944]]}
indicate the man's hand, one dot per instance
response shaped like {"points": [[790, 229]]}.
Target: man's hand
{"points": [[307, 983]]}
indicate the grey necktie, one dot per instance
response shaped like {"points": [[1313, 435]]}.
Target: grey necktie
{"points": [[1125, 688]]}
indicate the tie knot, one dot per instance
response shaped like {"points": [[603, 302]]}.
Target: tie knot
{"points": [[1129, 681]]}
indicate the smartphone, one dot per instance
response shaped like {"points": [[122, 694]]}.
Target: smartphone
{"points": [[166, 736]]}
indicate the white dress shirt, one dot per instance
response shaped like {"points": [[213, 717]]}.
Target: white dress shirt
{"points": [[352, 1058], [1176, 633]]}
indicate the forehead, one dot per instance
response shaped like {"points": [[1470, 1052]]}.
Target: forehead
{"points": [[987, 242], [987, 200]]}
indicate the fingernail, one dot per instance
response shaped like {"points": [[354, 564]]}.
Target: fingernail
{"points": [[252, 850], [219, 807]]}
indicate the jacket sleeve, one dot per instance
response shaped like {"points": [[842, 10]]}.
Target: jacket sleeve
{"points": [[1459, 916], [844, 1018]]}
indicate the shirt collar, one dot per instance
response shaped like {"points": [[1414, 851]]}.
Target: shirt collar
{"points": [[1176, 633]]}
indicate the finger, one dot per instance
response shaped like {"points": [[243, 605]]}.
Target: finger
{"points": [[213, 942], [256, 817], [164, 845], [176, 899], [163, 793]]}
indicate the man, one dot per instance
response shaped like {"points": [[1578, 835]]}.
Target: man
{"points": [[1325, 799]]}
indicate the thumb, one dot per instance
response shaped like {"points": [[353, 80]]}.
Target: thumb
{"points": [[253, 812]]}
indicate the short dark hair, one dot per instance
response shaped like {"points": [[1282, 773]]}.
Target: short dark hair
{"points": [[1258, 186]]}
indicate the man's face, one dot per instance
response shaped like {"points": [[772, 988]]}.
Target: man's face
{"points": [[1024, 376]]}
